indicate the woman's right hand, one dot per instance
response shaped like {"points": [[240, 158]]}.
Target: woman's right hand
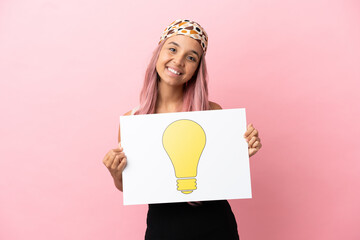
{"points": [[115, 161]]}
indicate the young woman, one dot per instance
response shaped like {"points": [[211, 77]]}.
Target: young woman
{"points": [[175, 81]]}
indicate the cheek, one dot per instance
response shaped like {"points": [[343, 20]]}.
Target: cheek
{"points": [[158, 65], [161, 60], [192, 70]]}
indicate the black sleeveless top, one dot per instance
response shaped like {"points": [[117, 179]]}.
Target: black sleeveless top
{"points": [[181, 221]]}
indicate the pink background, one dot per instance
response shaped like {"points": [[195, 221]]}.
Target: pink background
{"points": [[68, 69]]}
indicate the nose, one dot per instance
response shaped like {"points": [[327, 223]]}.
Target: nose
{"points": [[179, 60]]}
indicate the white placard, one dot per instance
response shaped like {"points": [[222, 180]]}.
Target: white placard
{"points": [[160, 146]]}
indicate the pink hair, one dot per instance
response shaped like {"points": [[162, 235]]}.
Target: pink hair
{"points": [[195, 96]]}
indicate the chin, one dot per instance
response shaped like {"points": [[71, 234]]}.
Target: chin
{"points": [[172, 83]]}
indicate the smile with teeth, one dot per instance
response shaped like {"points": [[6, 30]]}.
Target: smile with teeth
{"points": [[173, 71]]}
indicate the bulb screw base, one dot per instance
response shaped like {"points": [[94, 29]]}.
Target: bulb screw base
{"points": [[187, 185]]}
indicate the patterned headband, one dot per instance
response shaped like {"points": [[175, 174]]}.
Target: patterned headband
{"points": [[187, 28]]}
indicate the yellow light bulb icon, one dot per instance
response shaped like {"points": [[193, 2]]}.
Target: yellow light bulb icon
{"points": [[184, 141]]}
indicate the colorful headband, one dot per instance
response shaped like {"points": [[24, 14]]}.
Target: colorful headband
{"points": [[187, 28]]}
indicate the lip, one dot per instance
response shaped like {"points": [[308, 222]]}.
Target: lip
{"points": [[176, 69]]}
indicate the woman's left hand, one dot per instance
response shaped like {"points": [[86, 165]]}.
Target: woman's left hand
{"points": [[252, 137]]}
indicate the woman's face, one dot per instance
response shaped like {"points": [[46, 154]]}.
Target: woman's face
{"points": [[178, 60]]}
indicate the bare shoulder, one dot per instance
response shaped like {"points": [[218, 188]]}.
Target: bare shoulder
{"points": [[214, 106], [128, 113]]}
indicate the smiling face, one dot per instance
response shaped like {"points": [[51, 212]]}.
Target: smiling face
{"points": [[178, 60]]}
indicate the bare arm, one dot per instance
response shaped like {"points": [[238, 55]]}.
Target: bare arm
{"points": [[214, 106], [115, 161]]}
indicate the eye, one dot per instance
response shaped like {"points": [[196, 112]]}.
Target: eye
{"points": [[192, 59], [172, 49]]}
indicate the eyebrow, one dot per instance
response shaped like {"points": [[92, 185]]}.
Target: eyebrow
{"points": [[193, 51]]}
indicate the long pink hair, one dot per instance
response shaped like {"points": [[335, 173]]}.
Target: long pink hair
{"points": [[195, 96]]}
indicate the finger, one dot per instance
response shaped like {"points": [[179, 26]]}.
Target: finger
{"points": [[117, 149], [256, 144], [109, 158], [106, 158], [119, 144], [252, 134], [250, 128], [114, 154], [251, 142], [252, 151], [120, 154], [116, 162], [122, 165], [107, 162]]}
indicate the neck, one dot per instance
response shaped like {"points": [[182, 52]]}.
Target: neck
{"points": [[170, 98]]}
